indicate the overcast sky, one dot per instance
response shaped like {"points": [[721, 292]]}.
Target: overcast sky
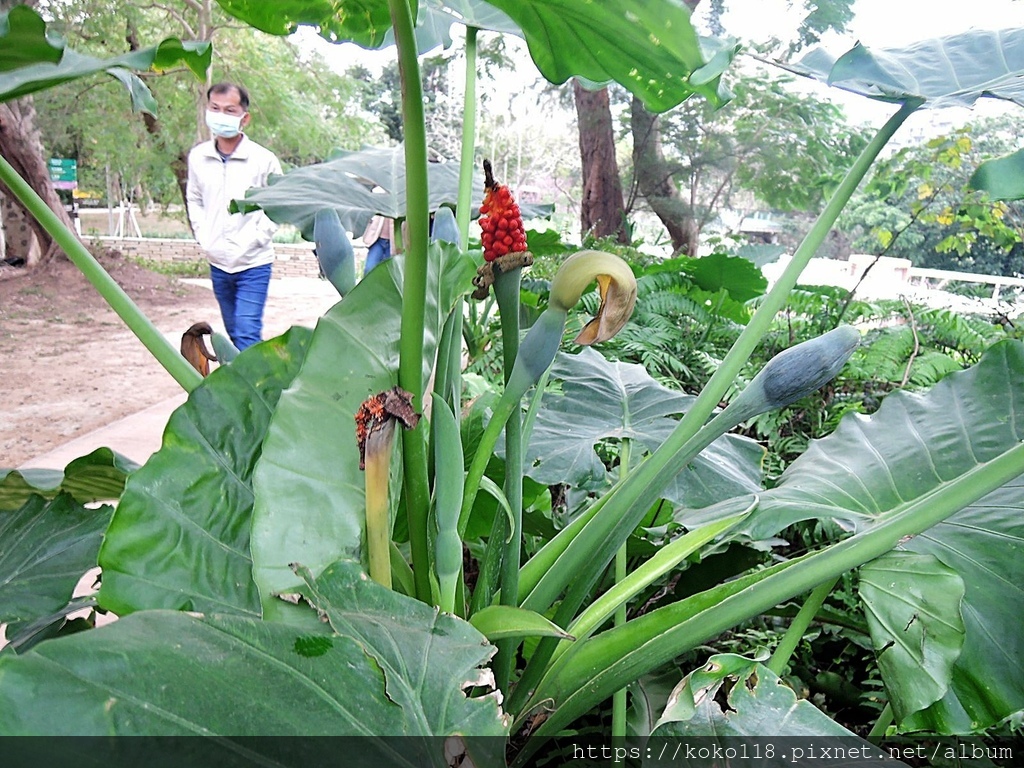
{"points": [[886, 23]]}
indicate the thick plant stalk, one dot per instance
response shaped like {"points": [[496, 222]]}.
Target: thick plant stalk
{"points": [[618, 295], [621, 564], [414, 293], [506, 290], [717, 387], [164, 352], [592, 670], [463, 211], [784, 650], [447, 501]]}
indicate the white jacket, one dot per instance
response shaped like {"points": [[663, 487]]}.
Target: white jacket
{"points": [[232, 242]]}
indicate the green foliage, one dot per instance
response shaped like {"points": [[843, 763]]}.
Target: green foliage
{"points": [[280, 503], [280, 78], [920, 205]]}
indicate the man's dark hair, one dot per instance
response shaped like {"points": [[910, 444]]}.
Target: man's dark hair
{"points": [[243, 95]]}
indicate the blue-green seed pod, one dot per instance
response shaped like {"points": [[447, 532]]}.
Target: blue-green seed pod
{"points": [[797, 372]]}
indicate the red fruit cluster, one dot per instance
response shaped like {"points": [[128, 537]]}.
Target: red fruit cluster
{"points": [[501, 222]]}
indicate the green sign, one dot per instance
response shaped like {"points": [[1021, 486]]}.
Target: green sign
{"points": [[64, 172]]}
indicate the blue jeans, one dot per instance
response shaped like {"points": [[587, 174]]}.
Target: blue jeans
{"points": [[242, 296], [379, 250]]}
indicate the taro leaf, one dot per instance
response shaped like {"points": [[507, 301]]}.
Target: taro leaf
{"points": [[1001, 177], [45, 548], [649, 48], [99, 476], [758, 704], [363, 22], [385, 666], [760, 254], [434, 20], [472, 13], [180, 536], [647, 697], [344, 183], [23, 40], [953, 71], [912, 604], [436, 655], [27, 63], [602, 400], [734, 274], [914, 446], [309, 490]]}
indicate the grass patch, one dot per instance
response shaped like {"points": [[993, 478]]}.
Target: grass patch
{"points": [[197, 268]]}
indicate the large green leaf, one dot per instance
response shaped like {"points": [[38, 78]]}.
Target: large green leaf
{"points": [[24, 41], [364, 22], [345, 183], [953, 71], [100, 476], [384, 666], [180, 536], [45, 548], [913, 448], [984, 545], [28, 63], [1001, 177], [650, 48], [735, 274], [912, 604], [757, 704], [309, 490], [435, 18], [602, 400], [436, 655]]}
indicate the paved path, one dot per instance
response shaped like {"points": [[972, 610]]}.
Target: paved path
{"points": [[139, 435]]}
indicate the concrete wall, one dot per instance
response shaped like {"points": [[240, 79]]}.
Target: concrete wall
{"points": [[291, 260]]}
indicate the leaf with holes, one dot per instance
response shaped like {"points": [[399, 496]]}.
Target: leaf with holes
{"points": [[912, 605]]}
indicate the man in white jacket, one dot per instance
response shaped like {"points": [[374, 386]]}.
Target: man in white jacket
{"points": [[238, 246]]}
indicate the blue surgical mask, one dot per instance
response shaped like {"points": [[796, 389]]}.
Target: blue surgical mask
{"points": [[224, 125]]}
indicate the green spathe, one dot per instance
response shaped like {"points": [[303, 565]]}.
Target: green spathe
{"points": [[797, 372]]}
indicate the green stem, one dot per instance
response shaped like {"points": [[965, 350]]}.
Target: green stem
{"points": [[542, 344], [506, 291], [780, 658], [885, 719], [464, 209], [414, 293], [621, 563], [573, 570], [775, 300], [164, 352], [590, 671]]}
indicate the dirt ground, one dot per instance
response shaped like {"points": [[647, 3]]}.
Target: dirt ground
{"points": [[69, 365]]}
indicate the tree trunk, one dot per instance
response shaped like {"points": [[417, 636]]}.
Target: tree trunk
{"points": [[602, 213], [654, 180], [21, 146]]}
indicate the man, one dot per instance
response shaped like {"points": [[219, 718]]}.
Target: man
{"points": [[237, 246]]}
